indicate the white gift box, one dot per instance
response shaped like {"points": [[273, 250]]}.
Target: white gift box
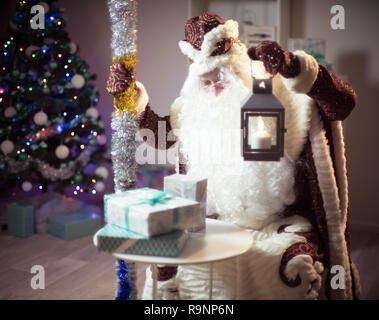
{"points": [[190, 188], [150, 212]]}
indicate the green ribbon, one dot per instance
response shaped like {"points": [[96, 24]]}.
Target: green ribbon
{"points": [[160, 197]]}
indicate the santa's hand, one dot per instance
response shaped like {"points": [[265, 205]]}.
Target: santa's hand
{"points": [[276, 59], [119, 79]]}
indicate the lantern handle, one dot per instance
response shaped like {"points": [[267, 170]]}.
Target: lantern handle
{"points": [[263, 86]]}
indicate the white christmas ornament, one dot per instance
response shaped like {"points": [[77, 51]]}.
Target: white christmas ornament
{"points": [[73, 47], [44, 5], [92, 112], [102, 172], [40, 118], [10, 112], [62, 151], [29, 50], [78, 81], [101, 140], [99, 186], [7, 146], [26, 186]]}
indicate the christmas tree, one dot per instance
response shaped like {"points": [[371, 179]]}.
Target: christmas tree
{"points": [[51, 133]]}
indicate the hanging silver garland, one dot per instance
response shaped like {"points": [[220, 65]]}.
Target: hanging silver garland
{"points": [[123, 15], [124, 150], [47, 171]]}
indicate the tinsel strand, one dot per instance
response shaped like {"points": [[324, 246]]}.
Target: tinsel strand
{"points": [[123, 150], [123, 15], [47, 171], [126, 279]]}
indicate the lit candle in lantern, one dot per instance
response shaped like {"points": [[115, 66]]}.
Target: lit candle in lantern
{"points": [[260, 139]]}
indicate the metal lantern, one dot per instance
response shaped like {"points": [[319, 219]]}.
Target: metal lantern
{"points": [[262, 124]]}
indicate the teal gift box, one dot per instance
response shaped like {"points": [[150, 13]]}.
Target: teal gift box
{"points": [[74, 225], [20, 220], [150, 212], [192, 188], [114, 239]]}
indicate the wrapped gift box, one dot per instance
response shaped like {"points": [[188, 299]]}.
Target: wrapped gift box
{"points": [[114, 239], [20, 220], [74, 225], [190, 188], [150, 212]]}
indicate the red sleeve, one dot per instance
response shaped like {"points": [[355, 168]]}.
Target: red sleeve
{"points": [[149, 120], [335, 97]]}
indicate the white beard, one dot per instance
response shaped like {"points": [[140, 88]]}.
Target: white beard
{"points": [[247, 193]]}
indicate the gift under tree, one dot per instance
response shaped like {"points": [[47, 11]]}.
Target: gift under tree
{"points": [[50, 130], [297, 208]]}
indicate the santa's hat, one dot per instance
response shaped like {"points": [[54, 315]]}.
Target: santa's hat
{"points": [[211, 42]]}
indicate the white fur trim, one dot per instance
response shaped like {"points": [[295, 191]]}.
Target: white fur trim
{"points": [[308, 74], [203, 62], [188, 50], [357, 281], [331, 200], [297, 117], [142, 98], [174, 113], [341, 173], [340, 159], [223, 31], [253, 275], [236, 54]]}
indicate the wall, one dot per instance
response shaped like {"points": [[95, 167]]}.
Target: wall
{"points": [[354, 53]]}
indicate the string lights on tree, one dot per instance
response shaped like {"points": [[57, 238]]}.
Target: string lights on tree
{"points": [[50, 126]]}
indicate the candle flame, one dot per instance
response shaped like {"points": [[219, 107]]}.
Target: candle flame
{"points": [[261, 124], [262, 85]]}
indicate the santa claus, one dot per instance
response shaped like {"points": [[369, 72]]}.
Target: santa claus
{"points": [[297, 208]]}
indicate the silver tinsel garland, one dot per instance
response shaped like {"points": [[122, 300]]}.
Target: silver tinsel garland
{"points": [[123, 152], [123, 15], [47, 171]]}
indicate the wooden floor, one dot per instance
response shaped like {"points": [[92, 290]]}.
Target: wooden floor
{"points": [[73, 269], [76, 270]]}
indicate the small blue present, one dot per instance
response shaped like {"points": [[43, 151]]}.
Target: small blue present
{"points": [[20, 220], [150, 212], [74, 225], [114, 239]]}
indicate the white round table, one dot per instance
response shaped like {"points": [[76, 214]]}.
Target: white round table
{"points": [[218, 241]]}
